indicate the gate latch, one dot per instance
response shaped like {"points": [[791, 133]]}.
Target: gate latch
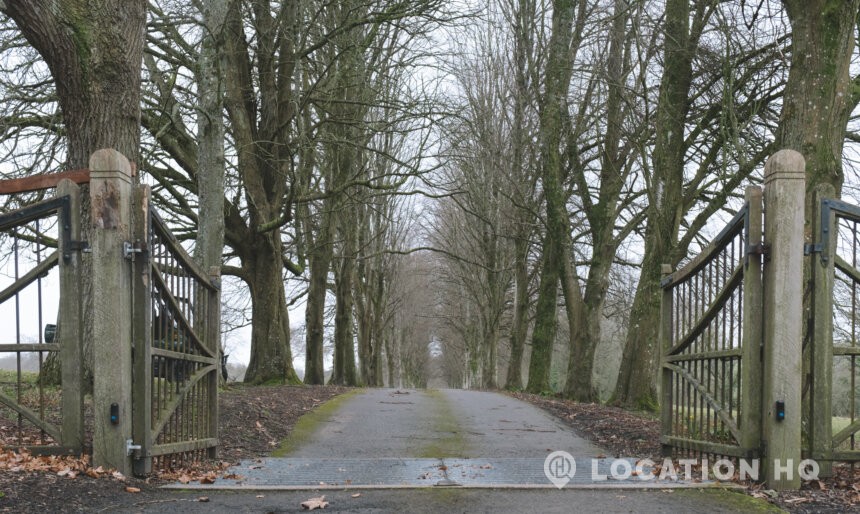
{"points": [[130, 249], [130, 447]]}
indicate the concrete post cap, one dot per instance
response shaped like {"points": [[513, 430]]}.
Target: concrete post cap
{"points": [[785, 164]]}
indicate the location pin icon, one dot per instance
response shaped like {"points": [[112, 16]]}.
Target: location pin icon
{"points": [[559, 467]]}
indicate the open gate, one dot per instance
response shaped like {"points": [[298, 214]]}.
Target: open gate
{"points": [[834, 413], [711, 338], [44, 235], [176, 347]]}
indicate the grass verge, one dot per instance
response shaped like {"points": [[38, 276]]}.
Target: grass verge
{"points": [[451, 442], [308, 424]]}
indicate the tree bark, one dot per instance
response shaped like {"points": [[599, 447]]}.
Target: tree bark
{"points": [[344, 341], [271, 361], [319, 263], [636, 384], [210, 137], [514, 380], [584, 310], [819, 94], [94, 52], [261, 109], [559, 69]]}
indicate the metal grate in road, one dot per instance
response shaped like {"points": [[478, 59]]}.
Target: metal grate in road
{"points": [[318, 474]]}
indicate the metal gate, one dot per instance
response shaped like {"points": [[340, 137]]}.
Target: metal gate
{"points": [[176, 347], [45, 236], [711, 338]]}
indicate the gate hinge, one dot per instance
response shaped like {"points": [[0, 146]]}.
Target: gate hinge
{"points": [[759, 249], [130, 249], [75, 246], [809, 248]]}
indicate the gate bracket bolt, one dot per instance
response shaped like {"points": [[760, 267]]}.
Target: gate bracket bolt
{"points": [[130, 447]]}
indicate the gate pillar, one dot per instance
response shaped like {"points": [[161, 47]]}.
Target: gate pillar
{"points": [[110, 197], [785, 187]]}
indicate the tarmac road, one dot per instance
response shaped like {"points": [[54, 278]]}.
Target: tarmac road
{"points": [[384, 427]]}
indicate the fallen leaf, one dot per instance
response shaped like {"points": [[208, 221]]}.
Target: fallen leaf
{"points": [[130, 489], [207, 480], [203, 499], [184, 479], [315, 503], [356, 495], [261, 496], [118, 476]]}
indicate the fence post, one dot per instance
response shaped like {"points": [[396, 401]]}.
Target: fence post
{"points": [[142, 333], [751, 365], [667, 398], [785, 187], [213, 337], [822, 268], [69, 331], [110, 197]]}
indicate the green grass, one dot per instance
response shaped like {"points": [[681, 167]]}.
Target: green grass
{"points": [[10, 376], [308, 424], [733, 499], [452, 443]]}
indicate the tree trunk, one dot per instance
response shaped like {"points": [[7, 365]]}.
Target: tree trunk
{"points": [[585, 309], [636, 384], [344, 342], [553, 108], [514, 380], [95, 53], [320, 262], [261, 109], [819, 95], [210, 137], [271, 360]]}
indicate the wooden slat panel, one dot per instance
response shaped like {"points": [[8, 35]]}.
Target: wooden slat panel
{"points": [[722, 240], [164, 413], [845, 433], [711, 313], [718, 409], [847, 455], [185, 446], [178, 252], [176, 311], [183, 356], [845, 267], [705, 446], [51, 450], [31, 416], [722, 354], [846, 350]]}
